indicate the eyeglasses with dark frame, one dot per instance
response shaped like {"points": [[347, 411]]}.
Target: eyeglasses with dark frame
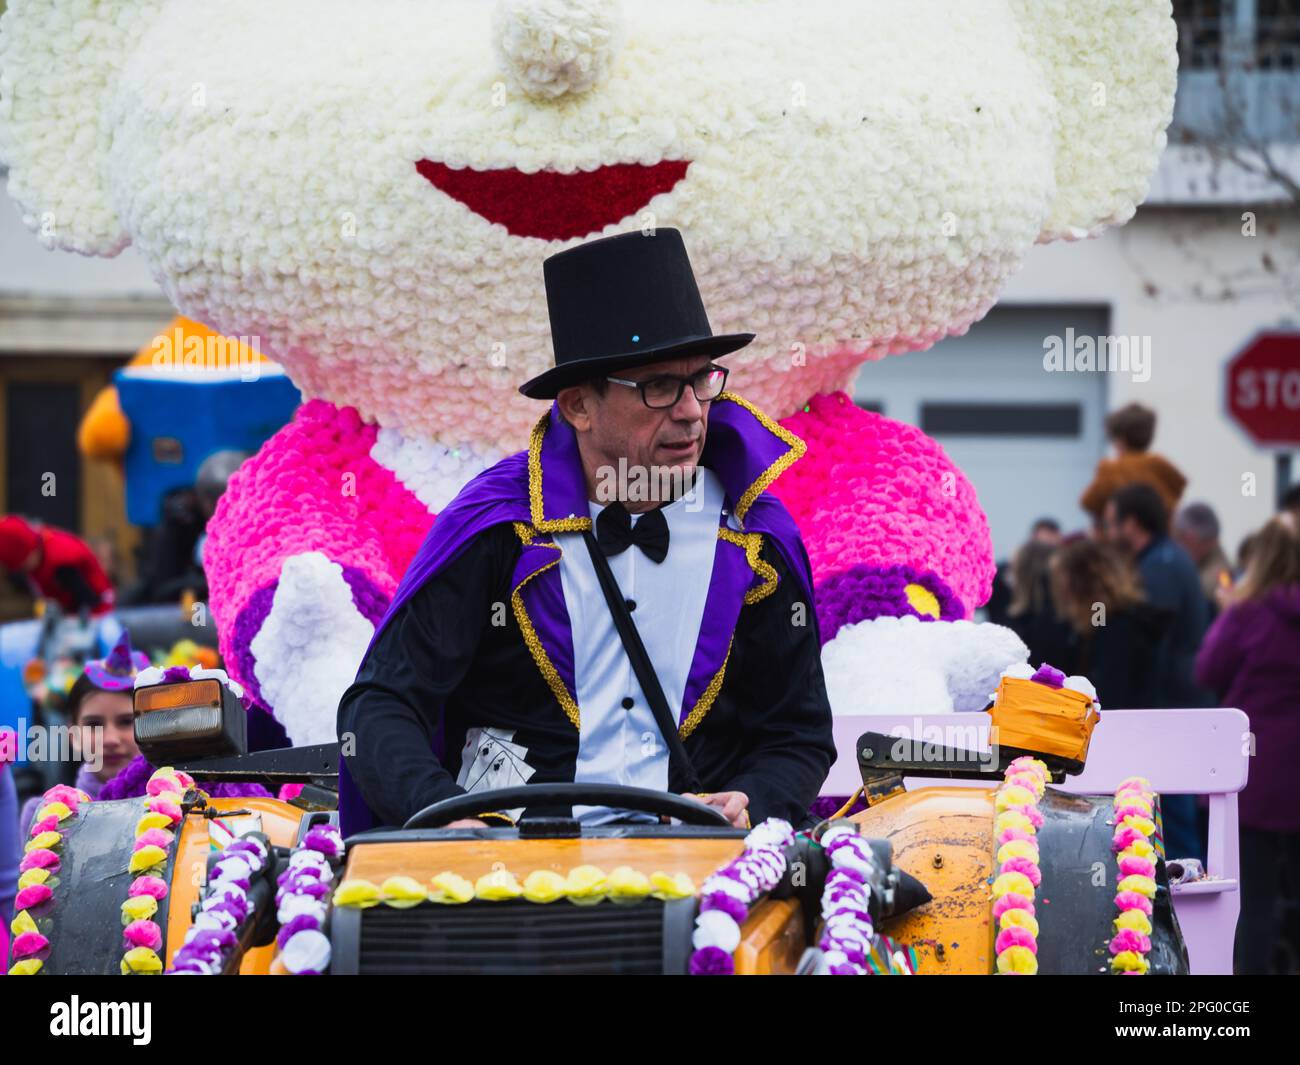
{"points": [[664, 391]]}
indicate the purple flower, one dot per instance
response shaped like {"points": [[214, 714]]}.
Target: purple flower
{"points": [[712, 961], [720, 900], [302, 923], [1049, 675]]}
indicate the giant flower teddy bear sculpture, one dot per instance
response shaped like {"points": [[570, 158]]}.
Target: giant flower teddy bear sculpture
{"points": [[371, 189]]}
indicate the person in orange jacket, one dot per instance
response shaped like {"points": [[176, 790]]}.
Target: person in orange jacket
{"points": [[56, 564], [1130, 431]]}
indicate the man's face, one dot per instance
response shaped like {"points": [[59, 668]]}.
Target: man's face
{"points": [[1122, 534], [618, 425], [1196, 546]]}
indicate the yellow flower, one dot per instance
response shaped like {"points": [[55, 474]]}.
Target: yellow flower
{"points": [[1143, 885], [1012, 795], [1019, 919], [151, 820], [586, 884], [402, 892], [147, 858], [33, 876], [1012, 819], [1135, 920], [141, 961], [680, 886], [1129, 961], [56, 809], [139, 908], [1017, 848], [451, 888], [21, 923], [1018, 960], [1143, 824], [1013, 883], [43, 842], [26, 967], [628, 884], [359, 893], [174, 797], [497, 885], [543, 885], [1139, 848]]}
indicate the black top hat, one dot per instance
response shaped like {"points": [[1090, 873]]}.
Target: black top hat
{"points": [[620, 302]]}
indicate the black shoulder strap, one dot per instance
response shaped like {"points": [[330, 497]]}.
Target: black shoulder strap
{"points": [[681, 773]]}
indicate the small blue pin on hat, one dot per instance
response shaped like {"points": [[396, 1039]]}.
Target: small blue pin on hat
{"points": [[117, 671]]}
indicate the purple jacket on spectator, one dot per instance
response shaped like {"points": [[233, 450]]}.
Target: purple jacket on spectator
{"points": [[1251, 660]]}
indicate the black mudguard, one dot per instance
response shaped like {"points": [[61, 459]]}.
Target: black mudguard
{"points": [[83, 921], [1076, 901]]}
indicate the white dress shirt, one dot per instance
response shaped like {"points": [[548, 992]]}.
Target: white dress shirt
{"points": [[619, 740]]}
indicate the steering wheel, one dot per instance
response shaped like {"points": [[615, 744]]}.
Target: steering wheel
{"points": [[567, 793]]}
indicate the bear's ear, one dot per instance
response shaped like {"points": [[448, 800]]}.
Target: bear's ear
{"points": [[59, 63], [1113, 67]]}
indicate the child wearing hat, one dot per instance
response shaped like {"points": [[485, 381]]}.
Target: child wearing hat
{"points": [[100, 714]]}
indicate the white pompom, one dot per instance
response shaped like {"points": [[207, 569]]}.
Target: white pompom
{"points": [[553, 47]]}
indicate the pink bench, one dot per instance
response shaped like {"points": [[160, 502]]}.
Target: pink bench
{"points": [[1182, 752]]}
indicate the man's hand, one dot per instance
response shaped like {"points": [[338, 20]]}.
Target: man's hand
{"points": [[466, 822], [731, 803]]}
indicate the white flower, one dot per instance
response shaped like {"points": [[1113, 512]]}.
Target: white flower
{"points": [[713, 928], [306, 950]]}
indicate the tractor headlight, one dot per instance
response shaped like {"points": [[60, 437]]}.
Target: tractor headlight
{"points": [[194, 719]]}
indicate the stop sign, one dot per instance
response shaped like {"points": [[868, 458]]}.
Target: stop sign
{"points": [[1264, 389]]}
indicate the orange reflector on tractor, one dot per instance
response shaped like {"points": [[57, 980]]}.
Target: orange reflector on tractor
{"points": [[174, 696], [192, 719]]}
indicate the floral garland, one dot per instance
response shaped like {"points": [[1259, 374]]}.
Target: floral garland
{"points": [[727, 895], [1018, 877], [848, 941], [225, 906], [1134, 827], [585, 885], [38, 876], [154, 835], [302, 902]]}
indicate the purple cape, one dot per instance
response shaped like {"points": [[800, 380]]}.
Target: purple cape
{"points": [[542, 491]]}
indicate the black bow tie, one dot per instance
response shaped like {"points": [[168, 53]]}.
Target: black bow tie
{"points": [[615, 532]]}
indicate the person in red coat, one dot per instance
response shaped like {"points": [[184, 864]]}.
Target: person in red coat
{"points": [[57, 565]]}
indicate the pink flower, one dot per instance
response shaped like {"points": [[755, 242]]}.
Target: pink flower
{"points": [[32, 896], [1023, 865], [70, 797], [1132, 865], [1008, 834], [50, 824], [169, 810], [29, 943], [39, 859], [155, 837], [1015, 936], [1125, 837], [142, 934], [1131, 900], [1129, 939], [147, 885], [1012, 901]]}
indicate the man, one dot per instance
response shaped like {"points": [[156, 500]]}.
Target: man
{"points": [[1130, 431], [1136, 520], [1196, 528], [499, 661]]}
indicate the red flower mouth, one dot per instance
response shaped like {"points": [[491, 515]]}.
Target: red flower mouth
{"points": [[551, 205]]}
